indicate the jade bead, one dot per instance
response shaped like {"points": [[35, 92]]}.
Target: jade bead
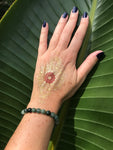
{"points": [[38, 110], [52, 114], [22, 112], [56, 117], [33, 110], [43, 111], [25, 110]]}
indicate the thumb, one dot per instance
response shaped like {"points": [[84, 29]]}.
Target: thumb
{"points": [[88, 64]]}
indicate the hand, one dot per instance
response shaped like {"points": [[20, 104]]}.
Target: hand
{"points": [[56, 77]]}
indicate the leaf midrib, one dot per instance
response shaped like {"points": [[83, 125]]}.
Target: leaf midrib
{"points": [[83, 50], [54, 142]]}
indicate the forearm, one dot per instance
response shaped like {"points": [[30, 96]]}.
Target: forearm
{"points": [[34, 130]]}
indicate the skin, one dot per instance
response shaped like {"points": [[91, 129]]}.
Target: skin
{"points": [[50, 77], [59, 58]]}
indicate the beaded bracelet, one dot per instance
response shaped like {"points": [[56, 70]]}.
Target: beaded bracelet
{"points": [[41, 111]]}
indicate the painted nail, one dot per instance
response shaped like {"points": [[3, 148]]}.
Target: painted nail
{"points": [[74, 9], [44, 24], [85, 15], [101, 56], [64, 15]]}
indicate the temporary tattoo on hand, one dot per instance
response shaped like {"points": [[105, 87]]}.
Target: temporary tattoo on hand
{"points": [[50, 77]]}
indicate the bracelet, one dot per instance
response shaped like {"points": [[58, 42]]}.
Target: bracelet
{"points": [[41, 111]]}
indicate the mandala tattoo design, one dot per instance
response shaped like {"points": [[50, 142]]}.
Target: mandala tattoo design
{"points": [[50, 77]]}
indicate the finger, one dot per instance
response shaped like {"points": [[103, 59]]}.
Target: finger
{"points": [[88, 64], [43, 39], [79, 36], [58, 30], [68, 29]]}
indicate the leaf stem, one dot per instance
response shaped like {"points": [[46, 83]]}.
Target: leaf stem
{"points": [[83, 51]]}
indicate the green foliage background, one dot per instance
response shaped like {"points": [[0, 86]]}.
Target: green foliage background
{"points": [[88, 123]]}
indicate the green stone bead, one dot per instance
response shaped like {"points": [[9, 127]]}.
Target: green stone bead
{"points": [[25, 110], [52, 114], [43, 111], [38, 110], [33, 110], [56, 117], [22, 112]]}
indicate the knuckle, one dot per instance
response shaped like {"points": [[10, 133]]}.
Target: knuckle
{"points": [[67, 32], [78, 36], [84, 22], [61, 22], [42, 42], [54, 39], [72, 18], [88, 61], [43, 31]]}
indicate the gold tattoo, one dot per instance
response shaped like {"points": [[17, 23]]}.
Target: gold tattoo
{"points": [[50, 77]]}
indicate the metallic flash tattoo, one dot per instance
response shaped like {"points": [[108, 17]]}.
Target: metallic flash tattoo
{"points": [[50, 77]]}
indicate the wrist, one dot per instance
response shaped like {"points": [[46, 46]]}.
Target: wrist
{"points": [[48, 104]]}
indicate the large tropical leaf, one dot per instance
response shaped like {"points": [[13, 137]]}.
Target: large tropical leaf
{"points": [[88, 117]]}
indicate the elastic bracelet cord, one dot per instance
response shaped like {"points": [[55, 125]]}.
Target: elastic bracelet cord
{"points": [[41, 111]]}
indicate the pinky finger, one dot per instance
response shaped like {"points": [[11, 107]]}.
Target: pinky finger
{"points": [[43, 39]]}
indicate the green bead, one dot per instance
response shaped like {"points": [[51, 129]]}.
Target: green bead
{"points": [[43, 111], [52, 114], [22, 112], [56, 119], [33, 110], [38, 110], [25, 110]]}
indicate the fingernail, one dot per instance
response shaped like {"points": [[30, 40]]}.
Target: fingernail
{"points": [[44, 24], [101, 56], [74, 9], [85, 15], [64, 15]]}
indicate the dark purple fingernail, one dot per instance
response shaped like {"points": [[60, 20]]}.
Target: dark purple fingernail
{"points": [[101, 56], [85, 15], [64, 15], [74, 9], [44, 24]]}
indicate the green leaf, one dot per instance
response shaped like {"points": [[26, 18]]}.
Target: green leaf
{"points": [[88, 122]]}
